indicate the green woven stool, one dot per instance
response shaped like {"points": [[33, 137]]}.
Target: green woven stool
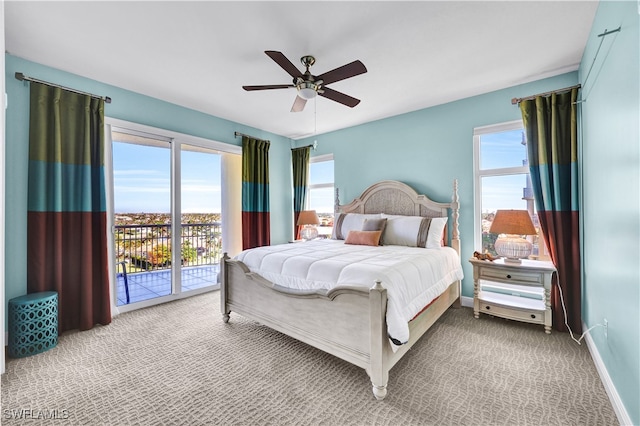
{"points": [[33, 323]]}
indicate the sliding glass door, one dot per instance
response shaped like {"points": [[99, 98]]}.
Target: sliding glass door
{"points": [[201, 217], [169, 196], [142, 216]]}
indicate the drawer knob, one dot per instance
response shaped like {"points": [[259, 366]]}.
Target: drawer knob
{"points": [[488, 308], [508, 276], [533, 316]]}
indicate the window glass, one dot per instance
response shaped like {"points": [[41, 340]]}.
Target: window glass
{"points": [[500, 193], [502, 182], [321, 200], [321, 172], [320, 195], [503, 149]]}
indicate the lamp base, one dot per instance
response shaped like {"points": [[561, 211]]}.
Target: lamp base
{"points": [[513, 248], [308, 233]]}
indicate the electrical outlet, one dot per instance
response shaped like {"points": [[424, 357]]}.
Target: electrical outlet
{"points": [[606, 329]]}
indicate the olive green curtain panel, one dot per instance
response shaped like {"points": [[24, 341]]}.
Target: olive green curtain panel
{"points": [[256, 220], [66, 223], [300, 165], [552, 142]]}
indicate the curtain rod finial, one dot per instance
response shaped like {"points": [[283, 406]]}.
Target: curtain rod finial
{"points": [[20, 76]]}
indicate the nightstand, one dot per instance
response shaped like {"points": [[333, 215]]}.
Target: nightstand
{"points": [[519, 292]]}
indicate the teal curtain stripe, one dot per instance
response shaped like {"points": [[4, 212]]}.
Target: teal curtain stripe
{"points": [[549, 175], [299, 193], [58, 187], [255, 197]]}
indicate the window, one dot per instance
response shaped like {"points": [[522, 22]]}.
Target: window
{"points": [[321, 194], [502, 181]]}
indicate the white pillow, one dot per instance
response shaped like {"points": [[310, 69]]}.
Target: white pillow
{"points": [[401, 230], [413, 231], [345, 222], [436, 231]]}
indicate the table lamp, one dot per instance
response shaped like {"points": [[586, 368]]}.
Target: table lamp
{"points": [[513, 224], [308, 219]]}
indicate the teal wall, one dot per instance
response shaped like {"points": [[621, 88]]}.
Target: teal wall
{"points": [[427, 149], [128, 106], [611, 195]]}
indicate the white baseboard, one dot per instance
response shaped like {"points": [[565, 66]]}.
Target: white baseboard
{"points": [[466, 301], [609, 387]]}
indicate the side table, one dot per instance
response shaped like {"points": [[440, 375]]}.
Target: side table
{"points": [[518, 292], [33, 323]]}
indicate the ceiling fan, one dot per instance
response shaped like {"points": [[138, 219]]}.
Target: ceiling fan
{"points": [[309, 85]]}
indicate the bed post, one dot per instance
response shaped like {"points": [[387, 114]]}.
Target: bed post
{"points": [[455, 215], [223, 288], [378, 334], [455, 234]]}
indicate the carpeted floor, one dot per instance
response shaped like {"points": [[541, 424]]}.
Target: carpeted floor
{"points": [[179, 364]]}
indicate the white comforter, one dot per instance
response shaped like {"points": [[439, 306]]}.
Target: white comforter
{"points": [[412, 276]]}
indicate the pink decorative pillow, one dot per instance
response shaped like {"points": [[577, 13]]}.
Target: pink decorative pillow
{"points": [[363, 238]]}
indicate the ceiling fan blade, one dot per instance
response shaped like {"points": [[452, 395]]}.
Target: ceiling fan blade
{"points": [[298, 104], [267, 87], [345, 71], [284, 63], [334, 95]]}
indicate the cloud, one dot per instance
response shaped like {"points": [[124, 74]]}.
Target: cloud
{"points": [[194, 187], [135, 172], [141, 189]]}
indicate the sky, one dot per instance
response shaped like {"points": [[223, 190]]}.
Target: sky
{"points": [[323, 198], [142, 180], [500, 150]]}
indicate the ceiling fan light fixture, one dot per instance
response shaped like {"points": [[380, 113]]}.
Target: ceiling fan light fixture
{"points": [[307, 93], [307, 90]]}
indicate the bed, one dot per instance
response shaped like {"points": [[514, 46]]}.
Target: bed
{"points": [[347, 320]]}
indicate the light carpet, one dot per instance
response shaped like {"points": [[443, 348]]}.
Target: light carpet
{"points": [[179, 364]]}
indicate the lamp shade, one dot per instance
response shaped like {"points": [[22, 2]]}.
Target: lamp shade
{"points": [[513, 222], [308, 217]]}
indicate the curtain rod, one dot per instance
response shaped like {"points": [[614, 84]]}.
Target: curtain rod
{"points": [[313, 146], [236, 134], [606, 32], [22, 77], [515, 101]]}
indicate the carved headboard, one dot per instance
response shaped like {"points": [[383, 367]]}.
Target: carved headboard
{"points": [[393, 197]]}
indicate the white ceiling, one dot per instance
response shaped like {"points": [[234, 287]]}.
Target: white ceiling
{"points": [[199, 54]]}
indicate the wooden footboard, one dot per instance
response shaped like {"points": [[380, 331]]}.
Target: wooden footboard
{"points": [[332, 321], [347, 322]]}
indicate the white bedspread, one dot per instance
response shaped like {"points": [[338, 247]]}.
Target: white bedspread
{"points": [[412, 276]]}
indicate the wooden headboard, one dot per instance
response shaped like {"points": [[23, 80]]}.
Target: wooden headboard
{"points": [[393, 197]]}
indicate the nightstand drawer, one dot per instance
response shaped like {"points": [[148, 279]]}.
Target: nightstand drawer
{"points": [[512, 313], [510, 276]]}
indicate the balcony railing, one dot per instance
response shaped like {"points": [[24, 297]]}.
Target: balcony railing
{"points": [[148, 247]]}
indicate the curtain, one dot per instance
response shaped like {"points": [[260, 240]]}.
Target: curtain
{"points": [[551, 127], [66, 214], [255, 193], [300, 163]]}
